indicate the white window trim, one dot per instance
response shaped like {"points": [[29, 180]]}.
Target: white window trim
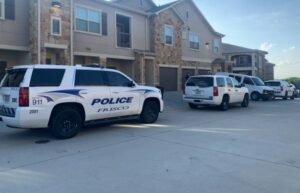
{"points": [[131, 30], [60, 29], [165, 40], [3, 9], [91, 8], [197, 34], [219, 46]]}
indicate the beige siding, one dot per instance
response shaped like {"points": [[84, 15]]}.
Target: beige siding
{"points": [[16, 32], [84, 42], [197, 24]]}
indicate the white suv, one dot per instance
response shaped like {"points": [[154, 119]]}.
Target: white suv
{"points": [[64, 98], [215, 90], [257, 88], [282, 89]]}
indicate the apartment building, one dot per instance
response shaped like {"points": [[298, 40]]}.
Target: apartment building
{"points": [[248, 61], [155, 45]]}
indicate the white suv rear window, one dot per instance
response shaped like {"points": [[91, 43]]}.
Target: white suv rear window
{"points": [[201, 82]]}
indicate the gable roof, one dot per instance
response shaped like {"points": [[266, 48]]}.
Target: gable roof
{"points": [[159, 9], [229, 48]]}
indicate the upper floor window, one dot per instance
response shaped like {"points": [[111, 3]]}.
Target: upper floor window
{"points": [[123, 31], [194, 41], [216, 44], [2, 9], [169, 35], [88, 20], [56, 26], [141, 3]]}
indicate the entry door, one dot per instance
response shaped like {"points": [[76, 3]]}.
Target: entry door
{"points": [[125, 98], [3, 66]]}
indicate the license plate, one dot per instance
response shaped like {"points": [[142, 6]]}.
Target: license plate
{"points": [[198, 92]]}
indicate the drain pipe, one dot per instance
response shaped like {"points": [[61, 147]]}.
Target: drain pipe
{"points": [[39, 32]]}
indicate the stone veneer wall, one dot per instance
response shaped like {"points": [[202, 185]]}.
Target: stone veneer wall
{"points": [[33, 31], [65, 14], [46, 12], [166, 54]]}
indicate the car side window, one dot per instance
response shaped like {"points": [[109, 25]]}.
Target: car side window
{"points": [[220, 82], [248, 81], [90, 78], [238, 78], [235, 82], [117, 79], [229, 82]]}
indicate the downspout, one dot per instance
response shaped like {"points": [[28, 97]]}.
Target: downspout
{"points": [[39, 33], [72, 33]]}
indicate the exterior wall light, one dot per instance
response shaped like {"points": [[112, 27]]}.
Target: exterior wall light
{"points": [[56, 3]]}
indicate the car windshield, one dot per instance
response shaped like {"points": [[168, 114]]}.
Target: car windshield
{"points": [[201, 82], [258, 82]]}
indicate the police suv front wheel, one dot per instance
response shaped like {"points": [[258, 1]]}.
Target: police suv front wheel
{"points": [[150, 112], [66, 123]]}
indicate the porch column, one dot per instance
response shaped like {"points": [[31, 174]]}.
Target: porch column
{"points": [[103, 61], [253, 65]]}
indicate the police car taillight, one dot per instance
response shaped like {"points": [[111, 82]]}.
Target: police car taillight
{"points": [[216, 91], [24, 97]]}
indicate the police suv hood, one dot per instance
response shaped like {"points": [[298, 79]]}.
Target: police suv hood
{"points": [[148, 88]]}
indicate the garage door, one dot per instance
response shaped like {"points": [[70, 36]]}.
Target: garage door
{"points": [[168, 78], [186, 72]]}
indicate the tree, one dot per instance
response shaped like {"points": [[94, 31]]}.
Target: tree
{"points": [[295, 81]]}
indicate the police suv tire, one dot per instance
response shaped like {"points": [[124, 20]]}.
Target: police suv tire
{"points": [[293, 97], [66, 123], [245, 102], [150, 112], [255, 96], [285, 96], [225, 103], [192, 106]]}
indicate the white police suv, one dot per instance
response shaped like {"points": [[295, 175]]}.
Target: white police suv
{"points": [[65, 98]]}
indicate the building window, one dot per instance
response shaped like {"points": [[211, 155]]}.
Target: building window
{"points": [[194, 41], [88, 20], [216, 45], [123, 25], [169, 35], [141, 3], [56, 26], [2, 9]]}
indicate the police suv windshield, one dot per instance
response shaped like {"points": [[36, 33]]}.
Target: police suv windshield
{"points": [[258, 82]]}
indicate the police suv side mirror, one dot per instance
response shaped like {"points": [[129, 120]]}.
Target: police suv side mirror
{"points": [[131, 84], [243, 85]]}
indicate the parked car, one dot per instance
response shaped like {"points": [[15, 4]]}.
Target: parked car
{"points": [[215, 90], [257, 88], [282, 89], [64, 98], [293, 87]]}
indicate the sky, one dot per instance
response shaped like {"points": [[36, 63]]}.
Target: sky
{"points": [[269, 25]]}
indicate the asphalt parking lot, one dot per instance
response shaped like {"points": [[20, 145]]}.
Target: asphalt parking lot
{"points": [[186, 151]]}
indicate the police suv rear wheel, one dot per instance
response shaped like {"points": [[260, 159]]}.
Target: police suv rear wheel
{"points": [[150, 112], [66, 123]]}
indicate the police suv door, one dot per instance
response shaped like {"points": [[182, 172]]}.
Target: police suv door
{"points": [[93, 93], [125, 98]]}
